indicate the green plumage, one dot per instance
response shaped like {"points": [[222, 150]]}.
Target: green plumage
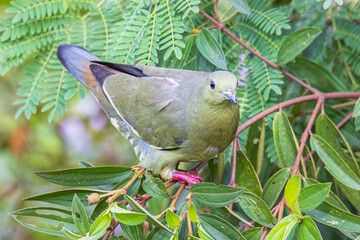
{"points": [[168, 115]]}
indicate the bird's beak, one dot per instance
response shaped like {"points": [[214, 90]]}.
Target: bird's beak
{"points": [[231, 95]]}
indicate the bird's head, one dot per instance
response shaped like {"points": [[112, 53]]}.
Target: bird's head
{"points": [[220, 86]]}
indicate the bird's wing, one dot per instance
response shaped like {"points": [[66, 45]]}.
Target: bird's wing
{"points": [[151, 106]]}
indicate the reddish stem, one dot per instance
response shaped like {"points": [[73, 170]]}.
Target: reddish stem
{"points": [[307, 98], [306, 134], [233, 166]]}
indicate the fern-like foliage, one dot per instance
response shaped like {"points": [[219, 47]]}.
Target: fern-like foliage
{"points": [[268, 20], [349, 32]]}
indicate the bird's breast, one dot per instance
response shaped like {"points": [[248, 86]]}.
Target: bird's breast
{"points": [[211, 129]]}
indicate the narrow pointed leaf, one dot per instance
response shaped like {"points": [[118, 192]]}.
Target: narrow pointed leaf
{"points": [[127, 217], [333, 163], [192, 213], [256, 209], [133, 232], [330, 198], [285, 229], [332, 216], [93, 176], [274, 186], [79, 216], [212, 195], [312, 196], [253, 233], [292, 191], [295, 43], [218, 228], [246, 175], [149, 217], [285, 141], [53, 220], [326, 129], [100, 224], [318, 76], [154, 187], [308, 230], [64, 197], [172, 219], [210, 49]]}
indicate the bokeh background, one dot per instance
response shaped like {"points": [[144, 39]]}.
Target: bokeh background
{"points": [[28, 146]]}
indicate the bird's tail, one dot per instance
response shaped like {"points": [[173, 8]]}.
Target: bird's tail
{"points": [[77, 61]]}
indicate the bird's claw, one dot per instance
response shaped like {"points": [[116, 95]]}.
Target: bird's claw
{"points": [[187, 178]]}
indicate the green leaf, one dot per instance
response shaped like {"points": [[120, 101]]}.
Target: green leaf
{"points": [[241, 6], [133, 232], [94, 176], [137, 207], [71, 234], [326, 129], [79, 216], [127, 217], [295, 43], [253, 233], [192, 213], [292, 191], [284, 230], [285, 141], [330, 198], [100, 224], [210, 48], [318, 76], [174, 62], [274, 186], [352, 195], [356, 112], [218, 228], [254, 150], [212, 195], [312, 196], [172, 219], [159, 234], [332, 216], [308, 230], [52, 220], [64, 197], [154, 187], [246, 175], [333, 163], [255, 208], [226, 10]]}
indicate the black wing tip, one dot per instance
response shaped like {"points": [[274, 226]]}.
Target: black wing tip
{"points": [[100, 73], [124, 68]]}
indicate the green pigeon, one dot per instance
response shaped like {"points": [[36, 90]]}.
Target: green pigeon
{"points": [[168, 115]]}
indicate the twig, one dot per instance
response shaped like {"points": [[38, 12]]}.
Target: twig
{"points": [[264, 234], [176, 197], [233, 165], [111, 229], [307, 98], [122, 190], [306, 134], [344, 121]]}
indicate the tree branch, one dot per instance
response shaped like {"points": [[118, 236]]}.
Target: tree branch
{"points": [[308, 98]]}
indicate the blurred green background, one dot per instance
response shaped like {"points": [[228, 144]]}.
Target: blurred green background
{"points": [[27, 146]]}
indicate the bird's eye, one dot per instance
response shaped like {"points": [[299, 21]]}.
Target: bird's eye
{"points": [[212, 85]]}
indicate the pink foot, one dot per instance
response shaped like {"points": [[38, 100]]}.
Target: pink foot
{"points": [[188, 178]]}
